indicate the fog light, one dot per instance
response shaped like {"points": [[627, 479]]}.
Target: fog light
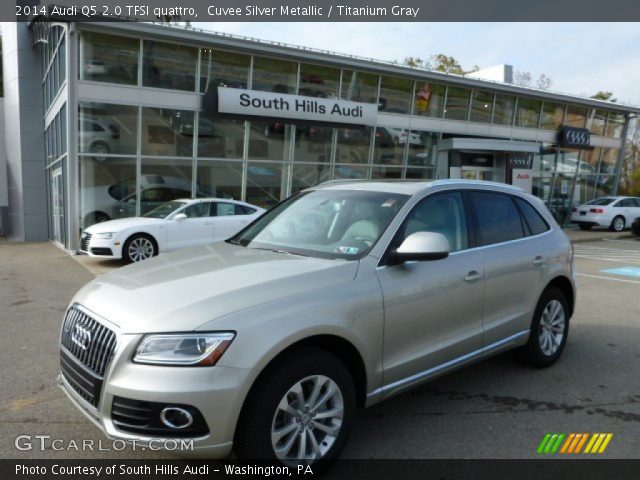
{"points": [[177, 418]]}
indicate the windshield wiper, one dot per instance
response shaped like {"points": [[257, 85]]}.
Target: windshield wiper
{"points": [[276, 250]]}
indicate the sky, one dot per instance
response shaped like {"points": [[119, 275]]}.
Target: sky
{"points": [[580, 58]]}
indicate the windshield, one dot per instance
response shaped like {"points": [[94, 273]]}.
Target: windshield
{"points": [[164, 210], [122, 189], [324, 223], [600, 201]]}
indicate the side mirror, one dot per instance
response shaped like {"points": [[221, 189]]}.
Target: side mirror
{"points": [[421, 246], [180, 217]]}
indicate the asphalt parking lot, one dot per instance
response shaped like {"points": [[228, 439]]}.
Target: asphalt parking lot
{"points": [[495, 409]]}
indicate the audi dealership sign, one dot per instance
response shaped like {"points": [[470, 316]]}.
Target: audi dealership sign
{"points": [[573, 137], [297, 107]]}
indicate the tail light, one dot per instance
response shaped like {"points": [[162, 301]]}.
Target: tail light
{"points": [[596, 210], [574, 209]]}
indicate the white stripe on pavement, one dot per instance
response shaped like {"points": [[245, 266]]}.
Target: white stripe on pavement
{"points": [[608, 278]]}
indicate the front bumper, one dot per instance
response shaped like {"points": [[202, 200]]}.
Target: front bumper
{"points": [[103, 248], [217, 392]]}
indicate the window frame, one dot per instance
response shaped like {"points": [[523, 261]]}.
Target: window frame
{"points": [[194, 204], [525, 222]]}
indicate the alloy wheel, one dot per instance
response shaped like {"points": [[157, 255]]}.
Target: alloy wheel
{"points": [[552, 326], [618, 224], [307, 420], [140, 249]]}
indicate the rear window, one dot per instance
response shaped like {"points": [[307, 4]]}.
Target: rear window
{"points": [[533, 220], [498, 218], [244, 210], [601, 201]]}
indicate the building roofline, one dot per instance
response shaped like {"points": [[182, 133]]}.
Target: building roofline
{"points": [[279, 49]]}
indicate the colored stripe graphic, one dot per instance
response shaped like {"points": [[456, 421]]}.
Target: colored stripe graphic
{"points": [[598, 443], [550, 443], [573, 443]]}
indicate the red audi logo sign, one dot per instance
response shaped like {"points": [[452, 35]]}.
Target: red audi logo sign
{"points": [[574, 137]]}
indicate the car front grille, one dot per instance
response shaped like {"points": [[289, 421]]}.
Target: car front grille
{"points": [[87, 347], [84, 242]]}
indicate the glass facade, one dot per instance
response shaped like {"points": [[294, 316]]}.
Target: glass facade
{"points": [[457, 103], [107, 58], [528, 112], [169, 65], [481, 106], [429, 99], [133, 156]]}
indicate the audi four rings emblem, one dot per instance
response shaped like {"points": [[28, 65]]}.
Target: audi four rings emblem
{"points": [[577, 137], [81, 337]]}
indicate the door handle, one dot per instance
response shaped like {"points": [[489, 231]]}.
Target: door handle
{"points": [[472, 276], [538, 261]]}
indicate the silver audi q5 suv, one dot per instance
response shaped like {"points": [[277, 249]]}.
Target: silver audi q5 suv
{"points": [[337, 298]]}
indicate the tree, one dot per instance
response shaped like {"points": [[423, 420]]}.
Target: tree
{"points": [[544, 82], [440, 63], [522, 78], [604, 95], [445, 64], [525, 79], [630, 169], [413, 62]]}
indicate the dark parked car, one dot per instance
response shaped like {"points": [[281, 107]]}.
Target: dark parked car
{"points": [[635, 227]]}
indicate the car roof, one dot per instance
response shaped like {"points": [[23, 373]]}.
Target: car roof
{"points": [[214, 199], [410, 187]]}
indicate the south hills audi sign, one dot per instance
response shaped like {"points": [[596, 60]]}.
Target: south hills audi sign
{"points": [[279, 105]]}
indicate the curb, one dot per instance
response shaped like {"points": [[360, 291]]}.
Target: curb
{"points": [[599, 239]]}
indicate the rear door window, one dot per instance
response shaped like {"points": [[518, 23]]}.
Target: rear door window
{"points": [[533, 220], [225, 209], [497, 217]]}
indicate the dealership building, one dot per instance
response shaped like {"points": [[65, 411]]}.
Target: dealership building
{"points": [[108, 120]]}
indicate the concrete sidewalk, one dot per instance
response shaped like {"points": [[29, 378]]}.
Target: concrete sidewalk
{"points": [[580, 236]]}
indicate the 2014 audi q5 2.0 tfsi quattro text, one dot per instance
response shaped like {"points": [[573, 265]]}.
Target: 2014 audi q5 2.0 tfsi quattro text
{"points": [[339, 297]]}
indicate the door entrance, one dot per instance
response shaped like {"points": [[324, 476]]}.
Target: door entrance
{"points": [[477, 173], [57, 207]]}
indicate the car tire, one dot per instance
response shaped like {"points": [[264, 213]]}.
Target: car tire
{"points": [[584, 226], [617, 224], [262, 422], [139, 247], [551, 318], [99, 150]]}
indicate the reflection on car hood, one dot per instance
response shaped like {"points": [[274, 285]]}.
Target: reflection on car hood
{"points": [[121, 224], [182, 290]]}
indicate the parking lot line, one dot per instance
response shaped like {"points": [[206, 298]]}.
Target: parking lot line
{"points": [[607, 278], [633, 242]]}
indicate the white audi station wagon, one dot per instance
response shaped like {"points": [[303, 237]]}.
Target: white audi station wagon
{"points": [[338, 298]]}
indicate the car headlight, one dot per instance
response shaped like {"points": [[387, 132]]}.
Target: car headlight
{"points": [[106, 235], [198, 349]]}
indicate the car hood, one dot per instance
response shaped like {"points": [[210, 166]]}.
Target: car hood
{"points": [[182, 290], [122, 224]]}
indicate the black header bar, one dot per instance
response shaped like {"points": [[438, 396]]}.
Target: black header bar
{"points": [[328, 10]]}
